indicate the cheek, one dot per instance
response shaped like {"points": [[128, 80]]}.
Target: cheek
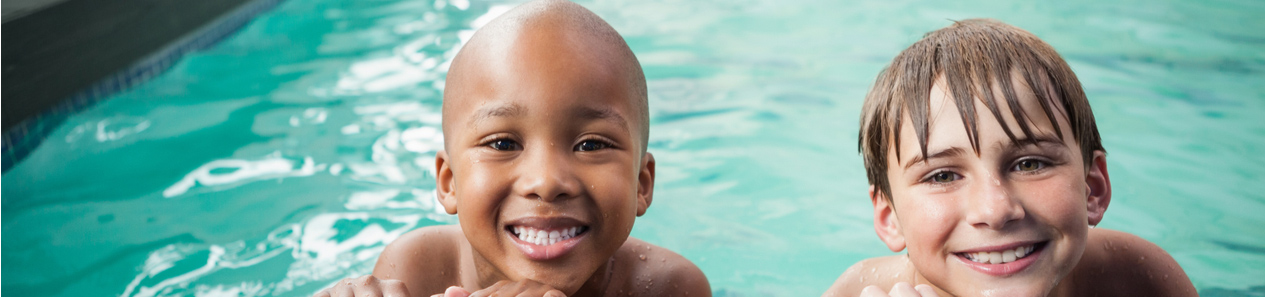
{"points": [[479, 191], [614, 191], [931, 221], [927, 219], [1053, 201]]}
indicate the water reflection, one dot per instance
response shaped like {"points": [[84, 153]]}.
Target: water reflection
{"points": [[236, 171], [323, 248]]}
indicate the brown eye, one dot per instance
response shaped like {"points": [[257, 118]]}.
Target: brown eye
{"points": [[504, 145], [590, 145], [944, 177], [1029, 165]]}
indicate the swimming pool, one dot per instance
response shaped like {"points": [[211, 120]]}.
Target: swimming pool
{"points": [[289, 154]]}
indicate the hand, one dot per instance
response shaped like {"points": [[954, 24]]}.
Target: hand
{"points": [[523, 288], [365, 286], [901, 289]]}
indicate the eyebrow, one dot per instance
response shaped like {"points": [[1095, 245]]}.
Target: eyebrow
{"points": [[516, 110], [950, 152], [1040, 140], [497, 111], [600, 113]]}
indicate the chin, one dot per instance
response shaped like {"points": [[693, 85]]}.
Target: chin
{"points": [[1029, 289]]}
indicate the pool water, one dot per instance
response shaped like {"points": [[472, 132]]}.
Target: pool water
{"points": [[287, 156]]}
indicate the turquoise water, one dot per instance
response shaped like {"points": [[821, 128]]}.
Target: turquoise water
{"points": [[288, 155]]}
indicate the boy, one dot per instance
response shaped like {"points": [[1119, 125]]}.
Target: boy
{"points": [[985, 162], [545, 127]]}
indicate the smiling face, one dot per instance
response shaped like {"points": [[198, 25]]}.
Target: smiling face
{"points": [[1011, 220], [544, 162]]}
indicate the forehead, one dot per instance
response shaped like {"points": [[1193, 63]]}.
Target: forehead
{"points": [[539, 69], [947, 123]]}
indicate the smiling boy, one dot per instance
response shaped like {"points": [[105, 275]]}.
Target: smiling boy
{"points": [[985, 164], [545, 123]]}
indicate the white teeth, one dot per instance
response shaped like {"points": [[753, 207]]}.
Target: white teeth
{"points": [[544, 237], [1000, 257]]}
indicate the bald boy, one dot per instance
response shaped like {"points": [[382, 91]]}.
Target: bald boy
{"points": [[545, 165]]}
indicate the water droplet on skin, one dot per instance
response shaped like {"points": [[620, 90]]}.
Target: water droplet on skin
{"points": [[873, 270], [643, 257]]}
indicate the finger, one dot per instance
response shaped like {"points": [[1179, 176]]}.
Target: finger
{"points": [[455, 291], [903, 289], [873, 291], [516, 288], [367, 289], [485, 292], [343, 289], [393, 288], [366, 286], [555, 293], [322, 293], [927, 291]]}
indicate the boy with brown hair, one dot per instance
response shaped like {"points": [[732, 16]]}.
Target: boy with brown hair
{"points": [[545, 130], [985, 162]]}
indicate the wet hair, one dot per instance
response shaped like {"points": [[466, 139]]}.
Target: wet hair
{"points": [[614, 49], [971, 56]]}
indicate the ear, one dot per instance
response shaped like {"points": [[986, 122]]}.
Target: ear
{"points": [[1099, 189], [886, 224], [445, 188], [645, 184]]}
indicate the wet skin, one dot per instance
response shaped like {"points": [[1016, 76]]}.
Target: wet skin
{"points": [[545, 167], [547, 142], [954, 207]]}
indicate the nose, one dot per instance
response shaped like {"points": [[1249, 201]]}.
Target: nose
{"points": [[993, 205], [547, 173]]}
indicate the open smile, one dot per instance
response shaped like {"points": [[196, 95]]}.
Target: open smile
{"points": [[546, 238], [1004, 260]]}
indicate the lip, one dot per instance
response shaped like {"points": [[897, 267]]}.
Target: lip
{"points": [[550, 251], [1004, 269]]}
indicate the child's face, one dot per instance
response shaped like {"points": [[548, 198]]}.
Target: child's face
{"points": [[544, 163], [1010, 221]]}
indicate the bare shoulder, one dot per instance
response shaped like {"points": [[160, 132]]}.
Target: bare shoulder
{"points": [[1124, 263], [648, 270], [883, 272], [427, 260]]}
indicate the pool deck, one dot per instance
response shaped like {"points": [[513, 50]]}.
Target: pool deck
{"points": [[59, 47]]}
